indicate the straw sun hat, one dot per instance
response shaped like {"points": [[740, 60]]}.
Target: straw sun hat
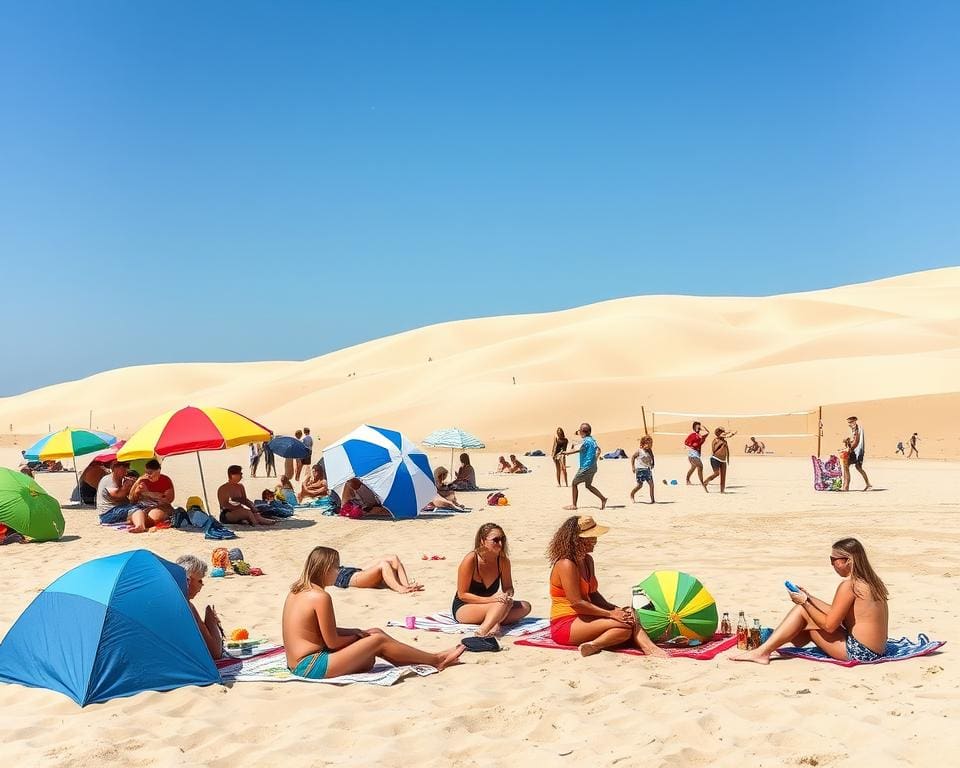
{"points": [[589, 529]]}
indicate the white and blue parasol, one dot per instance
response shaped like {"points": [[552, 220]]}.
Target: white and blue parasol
{"points": [[385, 461], [453, 438]]}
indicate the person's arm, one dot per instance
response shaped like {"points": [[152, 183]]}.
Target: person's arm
{"points": [[136, 490], [123, 492], [214, 645], [168, 495], [827, 617], [464, 577], [633, 461], [856, 440], [582, 604], [506, 577], [553, 450], [333, 638]]}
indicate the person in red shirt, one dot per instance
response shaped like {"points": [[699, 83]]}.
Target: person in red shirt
{"points": [[154, 492], [694, 443]]}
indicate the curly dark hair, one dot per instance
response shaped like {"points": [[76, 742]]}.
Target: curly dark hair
{"points": [[566, 543]]}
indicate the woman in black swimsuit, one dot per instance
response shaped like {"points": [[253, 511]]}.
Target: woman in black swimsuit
{"points": [[560, 443], [485, 584]]}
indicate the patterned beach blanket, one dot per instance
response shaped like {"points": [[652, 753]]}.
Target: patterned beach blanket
{"points": [[704, 652], [271, 667], [897, 650], [444, 622]]}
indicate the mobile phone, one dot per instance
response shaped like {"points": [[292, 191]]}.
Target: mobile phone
{"points": [[791, 586]]}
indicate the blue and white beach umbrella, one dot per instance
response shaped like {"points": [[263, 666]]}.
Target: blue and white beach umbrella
{"points": [[453, 438], [389, 464]]}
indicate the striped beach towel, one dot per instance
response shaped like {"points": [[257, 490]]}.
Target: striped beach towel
{"points": [[897, 650]]}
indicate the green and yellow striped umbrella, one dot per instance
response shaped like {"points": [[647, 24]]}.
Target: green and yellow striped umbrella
{"points": [[681, 606]]}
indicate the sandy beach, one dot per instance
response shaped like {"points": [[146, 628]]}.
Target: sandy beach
{"points": [[528, 704]]}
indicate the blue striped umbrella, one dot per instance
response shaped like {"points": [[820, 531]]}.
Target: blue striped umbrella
{"points": [[452, 438], [389, 464]]}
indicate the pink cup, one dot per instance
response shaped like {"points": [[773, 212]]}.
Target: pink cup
{"points": [[410, 622]]}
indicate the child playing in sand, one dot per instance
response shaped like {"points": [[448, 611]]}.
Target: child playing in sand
{"points": [[504, 465], [641, 464], [317, 648], [845, 463], [854, 626]]}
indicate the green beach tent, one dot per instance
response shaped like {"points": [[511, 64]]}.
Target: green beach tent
{"points": [[27, 508]]}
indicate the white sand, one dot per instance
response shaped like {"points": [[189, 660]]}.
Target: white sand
{"points": [[546, 706]]}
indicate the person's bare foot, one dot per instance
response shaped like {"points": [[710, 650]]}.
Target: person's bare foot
{"points": [[868, 488], [138, 529], [449, 658], [571, 506], [656, 652], [755, 656], [705, 488], [603, 503], [588, 649]]}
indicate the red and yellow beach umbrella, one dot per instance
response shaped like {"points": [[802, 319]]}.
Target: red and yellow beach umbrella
{"points": [[191, 430]]}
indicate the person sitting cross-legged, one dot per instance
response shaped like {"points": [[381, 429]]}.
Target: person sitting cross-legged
{"points": [[235, 506]]}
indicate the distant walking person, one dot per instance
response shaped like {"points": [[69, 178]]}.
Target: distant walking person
{"points": [[560, 444], [269, 460], [858, 449], [694, 444], [589, 453], [308, 441], [256, 451], [642, 463], [298, 467], [720, 458], [914, 439], [900, 449]]}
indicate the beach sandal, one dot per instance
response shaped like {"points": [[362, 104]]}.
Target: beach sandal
{"points": [[481, 644], [438, 557]]}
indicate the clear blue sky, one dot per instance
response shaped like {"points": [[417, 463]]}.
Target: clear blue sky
{"points": [[276, 180]]}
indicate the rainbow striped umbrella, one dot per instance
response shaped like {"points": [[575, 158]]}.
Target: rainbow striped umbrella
{"points": [[69, 443], [191, 430], [681, 606]]}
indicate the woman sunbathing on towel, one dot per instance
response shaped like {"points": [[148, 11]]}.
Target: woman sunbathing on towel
{"points": [[504, 465], [579, 614], [854, 626], [317, 648], [485, 584], [386, 571]]}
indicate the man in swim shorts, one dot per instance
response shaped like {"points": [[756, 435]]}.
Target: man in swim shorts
{"points": [[858, 449], [235, 507], [589, 453]]}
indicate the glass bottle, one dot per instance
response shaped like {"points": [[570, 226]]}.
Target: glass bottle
{"points": [[754, 635], [726, 629], [742, 633]]}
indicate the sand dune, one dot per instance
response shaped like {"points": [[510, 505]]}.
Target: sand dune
{"points": [[885, 340]]}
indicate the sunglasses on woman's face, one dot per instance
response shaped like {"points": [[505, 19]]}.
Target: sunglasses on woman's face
{"points": [[835, 560], [498, 539]]}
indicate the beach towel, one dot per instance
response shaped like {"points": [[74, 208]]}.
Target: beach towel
{"points": [[897, 650], [827, 475], [271, 667], [444, 622], [704, 652], [536, 452], [617, 454]]}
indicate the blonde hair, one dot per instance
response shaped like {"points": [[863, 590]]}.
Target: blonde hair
{"points": [[483, 531], [319, 561], [861, 570], [439, 475]]}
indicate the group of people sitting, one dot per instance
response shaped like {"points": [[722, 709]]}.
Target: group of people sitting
{"points": [[853, 625], [512, 467]]}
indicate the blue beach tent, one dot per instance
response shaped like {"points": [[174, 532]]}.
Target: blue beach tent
{"points": [[111, 627]]}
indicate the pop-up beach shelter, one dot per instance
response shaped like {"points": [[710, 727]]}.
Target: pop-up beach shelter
{"points": [[111, 627]]}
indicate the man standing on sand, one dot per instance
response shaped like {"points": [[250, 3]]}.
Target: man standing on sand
{"points": [[299, 462], [589, 453], [308, 441], [913, 445], [857, 449], [694, 444]]}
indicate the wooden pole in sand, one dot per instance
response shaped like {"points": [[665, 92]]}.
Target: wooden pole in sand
{"points": [[819, 428], [644, 412], [203, 485]]}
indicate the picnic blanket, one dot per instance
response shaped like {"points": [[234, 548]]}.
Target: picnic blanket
{"points": [[897, 650], [703, 652], [271, 667], [444, 622]]}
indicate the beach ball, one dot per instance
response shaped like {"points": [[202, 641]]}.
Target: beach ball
{"points": [[679, 605], [502, 501]]}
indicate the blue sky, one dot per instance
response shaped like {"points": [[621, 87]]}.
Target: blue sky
{"points": [[262, 180]]}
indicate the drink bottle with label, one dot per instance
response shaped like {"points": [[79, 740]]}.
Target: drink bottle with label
{"points": [[754, 640], [742, 633], [726, 629]]}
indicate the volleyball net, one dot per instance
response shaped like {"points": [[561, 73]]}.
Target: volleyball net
{"points": [[793, 432]]}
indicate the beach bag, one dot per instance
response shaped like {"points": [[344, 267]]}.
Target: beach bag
{"points": [[352, 510], [493, 499]]}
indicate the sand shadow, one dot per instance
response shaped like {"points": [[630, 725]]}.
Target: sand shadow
{"points": [[281, 525]]}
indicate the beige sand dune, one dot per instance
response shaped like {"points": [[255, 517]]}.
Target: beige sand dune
{"points": [[880, 341]]}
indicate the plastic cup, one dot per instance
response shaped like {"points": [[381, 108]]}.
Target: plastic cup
{"points": [[410, 622]]}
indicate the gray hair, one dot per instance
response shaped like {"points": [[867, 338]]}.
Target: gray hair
{"points": [[192, 565]]}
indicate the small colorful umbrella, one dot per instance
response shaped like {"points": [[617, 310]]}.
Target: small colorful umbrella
{"points": [[452, 438], [27, 508], [69, 443], [681, 606], [191, 430]]}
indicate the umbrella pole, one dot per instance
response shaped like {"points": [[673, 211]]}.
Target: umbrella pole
{"points": [[77, 475], [203, 484]]}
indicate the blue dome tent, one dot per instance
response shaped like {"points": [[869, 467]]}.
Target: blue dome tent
{"points": [[110, 627]]}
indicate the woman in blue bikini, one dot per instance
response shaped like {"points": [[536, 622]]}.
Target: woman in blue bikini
{"points": [[317, 648], [852, 627]]}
